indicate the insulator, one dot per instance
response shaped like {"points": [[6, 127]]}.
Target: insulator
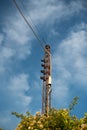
{"points": [[43, 78], [47, 72], [42, 65], [43, 71], [47, 47], [43, 60], [47, 66], [46, 60]]}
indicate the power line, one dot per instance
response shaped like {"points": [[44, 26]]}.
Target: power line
{"points": [[46, 99], [29, 25], [30, 20], [35, 27]]}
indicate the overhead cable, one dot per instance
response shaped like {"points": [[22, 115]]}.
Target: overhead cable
{"points": [[35, 27], [29, 25]]}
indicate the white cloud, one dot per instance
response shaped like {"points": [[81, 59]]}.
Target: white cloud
{"points": [[70, 64], [14, 98], [82, 26], [60, 92], [17, 39], [1, 38], [5, 54], [49, 11], [18, 86], [15, 93], [16, 45], [16, 42], [69, 59], [17, 30], [17, 36]]}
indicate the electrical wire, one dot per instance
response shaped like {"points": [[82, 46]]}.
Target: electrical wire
{"points": [[29, 25], [30, 20], [35, 27]]}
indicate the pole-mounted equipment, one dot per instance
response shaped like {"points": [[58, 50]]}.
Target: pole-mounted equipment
{"points": [[46, 91]]}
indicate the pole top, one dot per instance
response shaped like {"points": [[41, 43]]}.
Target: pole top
{"points": [[47, 48]]}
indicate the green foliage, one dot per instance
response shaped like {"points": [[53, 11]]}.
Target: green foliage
{"points": [[73, 103], [55, 120], [17, 115]]}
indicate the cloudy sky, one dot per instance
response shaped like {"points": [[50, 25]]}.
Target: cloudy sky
{"points": [[63, 25]]}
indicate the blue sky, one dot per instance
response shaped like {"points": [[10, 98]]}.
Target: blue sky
{"points": [[63, 25]]}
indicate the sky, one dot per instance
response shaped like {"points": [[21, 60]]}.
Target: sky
{"points": [[63, 25]]}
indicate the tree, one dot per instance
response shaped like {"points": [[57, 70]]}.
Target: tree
{"points": [[56, 120]]}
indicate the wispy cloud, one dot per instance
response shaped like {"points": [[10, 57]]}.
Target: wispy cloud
{"points": [[18, 37], [69, 61], [49, 11], [5, 54], [70, 64], [15, 98], [15, 92], [1, 38], [18, 86], [17, 30], [14, 42]]}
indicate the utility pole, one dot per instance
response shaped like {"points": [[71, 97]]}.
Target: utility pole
{"points": [[46, 89]]}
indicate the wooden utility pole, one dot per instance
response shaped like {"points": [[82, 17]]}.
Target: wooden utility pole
{"points": [[46, 90]]}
